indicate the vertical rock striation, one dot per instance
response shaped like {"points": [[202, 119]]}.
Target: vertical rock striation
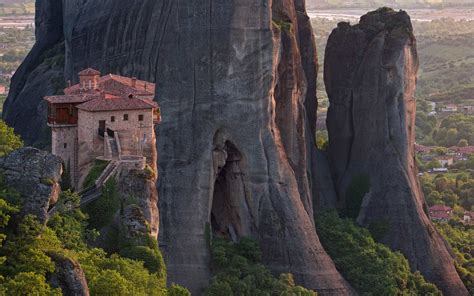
{"points": [[236, 83], [370, 76], [233, 139]]}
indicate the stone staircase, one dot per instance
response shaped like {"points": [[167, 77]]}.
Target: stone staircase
{"points": [[94, 192]]}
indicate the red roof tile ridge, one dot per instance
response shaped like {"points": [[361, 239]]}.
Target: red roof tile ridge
{"points": [[89, 71]]}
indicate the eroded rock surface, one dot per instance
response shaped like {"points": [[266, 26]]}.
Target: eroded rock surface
{"points": [[236, 83], [370, 76], [34, 174], [68, 276], [139, 202]]}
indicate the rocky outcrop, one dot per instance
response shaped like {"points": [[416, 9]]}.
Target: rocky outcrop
{"points": [[34, 174], [132, 216], [238, 103], [139, 203], [370, 76], [69, 276]]}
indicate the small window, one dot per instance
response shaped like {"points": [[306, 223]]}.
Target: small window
{"points": [[140, 117], [65, 145], [125, 117], [112, 119]]}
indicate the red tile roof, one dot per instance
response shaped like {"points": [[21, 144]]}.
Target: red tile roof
{"points": [[118, 85], [116, 104], [71, 99], [440, 215], [113, 93], [89, 71], [438, 208]]}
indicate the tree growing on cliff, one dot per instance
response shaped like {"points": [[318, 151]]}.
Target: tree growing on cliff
{"points": [[371, 268], [8, 140]]}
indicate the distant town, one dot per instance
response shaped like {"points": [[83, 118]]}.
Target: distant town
{"points": [[17, 21]]}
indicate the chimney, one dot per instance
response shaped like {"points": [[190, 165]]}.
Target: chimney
{"points": [[134, 82]]}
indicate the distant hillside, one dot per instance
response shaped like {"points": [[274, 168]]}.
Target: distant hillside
{"points": [[15, 1], [16, 7], [391, 3]]}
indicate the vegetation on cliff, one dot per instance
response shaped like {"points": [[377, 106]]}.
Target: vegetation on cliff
{"points": [[8, 140], [238, 271], [461, 238], [28, 250], [27, 265], [371, 268]]}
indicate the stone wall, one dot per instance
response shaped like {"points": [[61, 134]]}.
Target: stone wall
{"points": [[130, 132], [64, 145]]}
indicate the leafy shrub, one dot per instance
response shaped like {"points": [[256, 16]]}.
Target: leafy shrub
{"points": [[238, 272], [175, 290], [152, 259], [282, 25], [461, 237], [371, 268], [149, 172], [47, 181], [94, 173], [8, 140], [101, 211], [358, 188], [29, 283]]}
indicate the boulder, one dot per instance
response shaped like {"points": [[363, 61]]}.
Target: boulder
{"points": [[34, 174], [69, 276]]}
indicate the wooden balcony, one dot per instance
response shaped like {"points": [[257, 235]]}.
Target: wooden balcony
{"points": [[62, 120]]}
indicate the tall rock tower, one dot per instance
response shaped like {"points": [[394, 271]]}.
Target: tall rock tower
{"points": [[370, 75], [238, 100]]}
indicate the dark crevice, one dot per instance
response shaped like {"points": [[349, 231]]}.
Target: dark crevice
{"points": [[229, 213]]}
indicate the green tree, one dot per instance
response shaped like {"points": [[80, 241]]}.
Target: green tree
{"points": [[110, 282], [434, 198], [29, 283], [370, 267], [239, 272], [175, 290], [450, 198], [8, 140], [463, 143]]}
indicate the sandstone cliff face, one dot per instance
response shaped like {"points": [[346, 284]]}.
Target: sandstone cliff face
{"points": [[238, 101], [34, 174], [370, 76], [233, 140]]}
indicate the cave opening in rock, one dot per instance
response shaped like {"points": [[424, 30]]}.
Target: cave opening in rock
{"points": [[229, 212]]}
